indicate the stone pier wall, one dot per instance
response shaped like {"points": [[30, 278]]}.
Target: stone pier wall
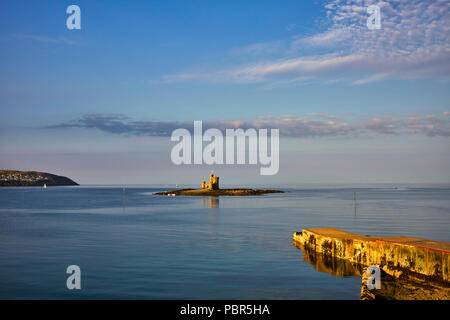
{"points": [[419, 258]]}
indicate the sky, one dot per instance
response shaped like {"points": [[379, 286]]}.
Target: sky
{"points": [[353, 105]]}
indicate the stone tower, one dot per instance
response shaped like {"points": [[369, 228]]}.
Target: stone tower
{"points": [[213, 183]]}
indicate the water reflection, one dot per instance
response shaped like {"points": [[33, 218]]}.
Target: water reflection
{"points": [[334, 266], [213, 215], [355, 203], [123, 200], [210, 202]]}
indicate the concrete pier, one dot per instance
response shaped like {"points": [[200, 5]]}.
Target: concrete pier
{"points": [[401, 288], [397, 256]]}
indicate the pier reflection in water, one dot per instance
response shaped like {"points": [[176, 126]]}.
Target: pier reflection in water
{"points": [[402, 288], [329, 264]]}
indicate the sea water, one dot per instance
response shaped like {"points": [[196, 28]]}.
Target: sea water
{"points": [[134, 245]]}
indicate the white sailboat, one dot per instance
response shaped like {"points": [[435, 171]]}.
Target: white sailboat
{"points": [[45, 186]]}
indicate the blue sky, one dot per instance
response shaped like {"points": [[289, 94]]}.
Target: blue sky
{"points": [[368, 105]]}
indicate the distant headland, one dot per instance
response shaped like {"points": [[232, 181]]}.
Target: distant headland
{"points": [[14, 178], [212, 189]]}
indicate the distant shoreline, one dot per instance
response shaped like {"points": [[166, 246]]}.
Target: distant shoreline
{"points": [[15, 178], [219, 192]]}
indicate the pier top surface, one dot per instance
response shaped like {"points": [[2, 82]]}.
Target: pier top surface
{"points": [[416, 242]]}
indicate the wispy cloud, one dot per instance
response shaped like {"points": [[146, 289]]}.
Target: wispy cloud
{"points": [[324, 116], [289, 125], [46, 39], [255, 49], [327, 38], [414, 42]]}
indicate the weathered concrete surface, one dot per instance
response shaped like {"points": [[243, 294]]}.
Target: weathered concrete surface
{"points": [[417, 258], [403, 288]]}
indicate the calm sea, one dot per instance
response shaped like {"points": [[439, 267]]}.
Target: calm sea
{"points": [[143, 246]]}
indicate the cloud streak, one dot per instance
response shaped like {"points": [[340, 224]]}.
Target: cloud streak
{"points": [[290, 125], [46, 39]]}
